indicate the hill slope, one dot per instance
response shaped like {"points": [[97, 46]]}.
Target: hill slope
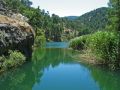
{"points": [[89, 22], [96, 19]]}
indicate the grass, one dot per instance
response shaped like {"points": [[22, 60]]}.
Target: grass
{"points": [[103, 45]]}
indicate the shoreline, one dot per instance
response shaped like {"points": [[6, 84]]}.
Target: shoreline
{"points": [[87, 58]]}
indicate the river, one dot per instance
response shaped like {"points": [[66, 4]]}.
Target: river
{"points": [[53, 68]]}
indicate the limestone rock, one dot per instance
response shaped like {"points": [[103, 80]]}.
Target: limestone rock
{"points": [[15, 35]]}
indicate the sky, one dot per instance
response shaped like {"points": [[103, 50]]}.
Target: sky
{"points": [[69, 7]]}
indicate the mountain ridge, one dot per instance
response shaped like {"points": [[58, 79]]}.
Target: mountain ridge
{"points": [[89, 22]]}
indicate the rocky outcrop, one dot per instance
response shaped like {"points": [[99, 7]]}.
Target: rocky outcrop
{"points": [[15, 34]]}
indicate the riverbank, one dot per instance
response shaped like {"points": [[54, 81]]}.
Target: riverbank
{"points": [[91, 60], [103, 51], [86, 58]]}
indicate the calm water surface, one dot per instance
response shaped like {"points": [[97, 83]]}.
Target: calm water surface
{"points": [[54, 69]]}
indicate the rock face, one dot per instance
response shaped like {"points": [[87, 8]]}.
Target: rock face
{"points": [[15, 35]]}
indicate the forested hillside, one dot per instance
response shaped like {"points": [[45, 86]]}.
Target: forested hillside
{"points": [[94, 20], [58, 28], [51, 26], [103, 46], [89, 22]]}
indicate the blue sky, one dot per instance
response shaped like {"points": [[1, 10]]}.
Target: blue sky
{"points": [[69, 7]]}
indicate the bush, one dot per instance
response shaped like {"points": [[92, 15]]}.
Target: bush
{"points": [[105, 45], [78, 43], [14, 59], [40, 41], [40, 38]]}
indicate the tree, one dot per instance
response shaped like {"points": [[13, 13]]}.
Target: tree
{"points": [[26, 2], [13, 5], [115, 22], [115, 14]]}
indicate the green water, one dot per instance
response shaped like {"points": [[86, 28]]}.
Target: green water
{"points": [[54, 69]]}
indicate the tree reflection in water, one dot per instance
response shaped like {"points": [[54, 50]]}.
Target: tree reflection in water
{"points": [[26, 76]]}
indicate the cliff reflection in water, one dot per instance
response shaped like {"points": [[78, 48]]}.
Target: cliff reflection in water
{"points": [[23, 78]]}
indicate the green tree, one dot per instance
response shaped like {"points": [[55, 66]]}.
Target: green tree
{"points": [[26, 2], [114, 14]]}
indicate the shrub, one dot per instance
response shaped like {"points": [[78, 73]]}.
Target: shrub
{"points": [[105, 45], [14, 59], [40, 41], [40, 38], [78, 43]]}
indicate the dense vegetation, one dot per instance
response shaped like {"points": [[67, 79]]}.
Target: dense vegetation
{"points": [[14, 59], [89, 22], [58, 28], [47, 28], [52, 26], [104, 45], [98, 29]]}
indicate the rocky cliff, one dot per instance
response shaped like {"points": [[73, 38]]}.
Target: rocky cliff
{"points": [[15, 34]]}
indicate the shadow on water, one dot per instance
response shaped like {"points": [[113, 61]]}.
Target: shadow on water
{"points": [[55, 64]]}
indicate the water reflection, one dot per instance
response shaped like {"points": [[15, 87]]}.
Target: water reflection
{"points": [[73, 76], [25, 77], [107, 80]]}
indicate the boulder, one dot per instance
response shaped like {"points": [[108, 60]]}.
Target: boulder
{"points": [[15, 34]]}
